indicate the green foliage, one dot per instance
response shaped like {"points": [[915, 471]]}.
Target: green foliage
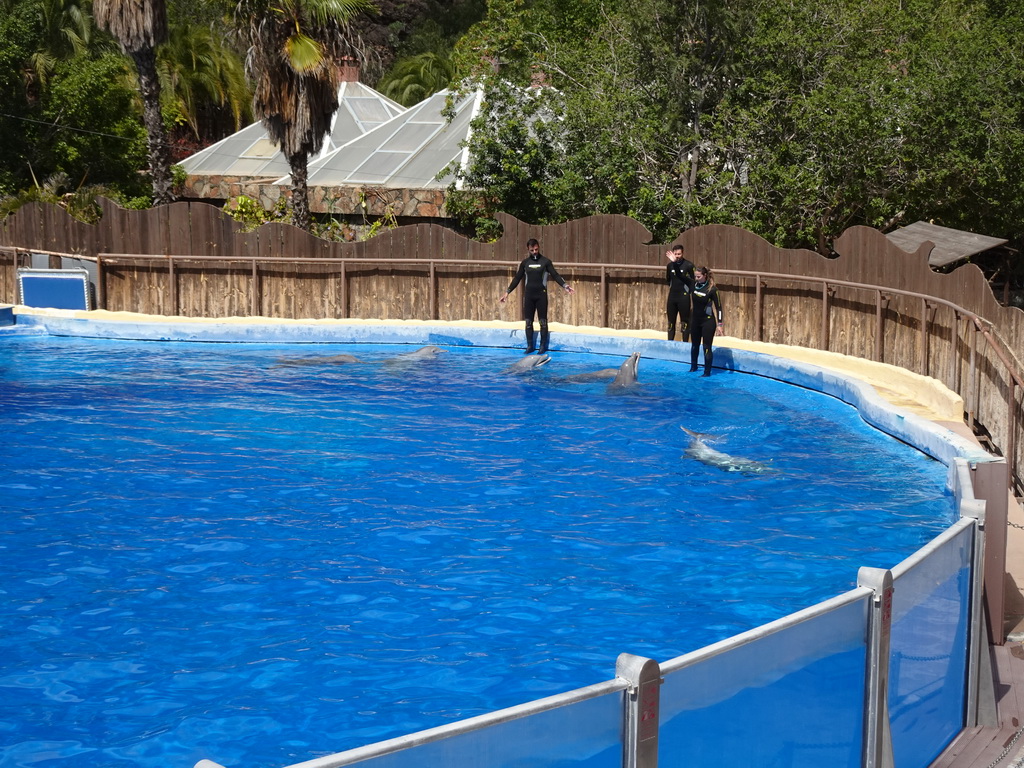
{"points": [[413, 79], [252, 215], [474, 213], [93, 133], [66, 31], [18, 37], [81, 202], [795, 121], [516, 138], [199, 71], [864, 113], [499, 39], [381, 224]]}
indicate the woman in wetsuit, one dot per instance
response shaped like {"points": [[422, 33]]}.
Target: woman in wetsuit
{"points": [[679, 274], [534, 271], [705, 317]]}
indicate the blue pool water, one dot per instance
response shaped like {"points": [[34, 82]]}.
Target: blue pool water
{"points": [[208, 554]]}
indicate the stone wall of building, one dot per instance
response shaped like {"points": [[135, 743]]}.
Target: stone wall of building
{"points": [[359, 201]]}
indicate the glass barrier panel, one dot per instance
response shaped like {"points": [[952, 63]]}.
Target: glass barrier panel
{"points": [[794, 697], [928, 661], [585, 734]]}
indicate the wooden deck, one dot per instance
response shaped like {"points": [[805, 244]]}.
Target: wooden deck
{"points": [[994, 747]]}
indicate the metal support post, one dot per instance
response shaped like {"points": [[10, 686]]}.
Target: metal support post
{"points": [[981, 697], [877, 733], [642, 698]]}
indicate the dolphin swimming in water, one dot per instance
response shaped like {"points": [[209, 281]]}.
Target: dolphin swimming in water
{"points": [[528, 363], [428, 352], [623, 376], [329, 360], [704, 453], [605, 374]]}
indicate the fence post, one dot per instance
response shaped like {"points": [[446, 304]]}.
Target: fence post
{"points": [[101, 284], [758, 300], [826, 295], [880, 307], [254, 291], [971, 402], [1011, 431], [344, 291], [172, 287], [957, 372], [432, 309], [642, 700], [981, 698], [877, 733], [991, 482], [923, 336], [604, 297]]}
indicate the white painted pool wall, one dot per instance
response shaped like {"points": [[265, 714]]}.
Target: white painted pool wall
{"points": [[485, 740]]}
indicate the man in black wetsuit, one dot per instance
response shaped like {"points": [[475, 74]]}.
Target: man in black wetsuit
{"points": [[679, 274], [535, 270]]}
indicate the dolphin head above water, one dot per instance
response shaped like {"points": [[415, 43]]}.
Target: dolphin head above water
{"points": [[528, 363], [626, 377], [424, 353]]}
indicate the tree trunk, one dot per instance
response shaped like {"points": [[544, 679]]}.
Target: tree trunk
{"points": [[159, 155], [300, 192]]}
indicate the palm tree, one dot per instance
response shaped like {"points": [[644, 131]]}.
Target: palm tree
{"points": [[413, 79], [294, 47], [198, 70], [139, 26], [66, 32]]}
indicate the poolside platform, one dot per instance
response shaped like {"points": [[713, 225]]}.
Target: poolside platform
{"points": [[995, 747]]}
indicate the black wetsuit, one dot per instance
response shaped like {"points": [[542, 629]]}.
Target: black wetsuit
{"points": [[705, 317], [679, 274], [534, 272]]}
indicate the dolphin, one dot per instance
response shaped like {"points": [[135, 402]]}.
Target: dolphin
{"points": [[626, 375], [528, 363], [623, 376], [704, 453], [329, 360], [423, 353], [605, 374]]}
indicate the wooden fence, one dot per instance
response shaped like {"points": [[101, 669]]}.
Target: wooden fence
{"points": [[874, 301]]}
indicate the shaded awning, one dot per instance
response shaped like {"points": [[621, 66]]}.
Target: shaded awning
{"points": [[951, 245]]}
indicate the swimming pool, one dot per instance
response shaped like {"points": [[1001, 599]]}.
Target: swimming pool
{"points": [[204, 542]]}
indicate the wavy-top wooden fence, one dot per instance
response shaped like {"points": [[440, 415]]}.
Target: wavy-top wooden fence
{"points": [[874, 301]]}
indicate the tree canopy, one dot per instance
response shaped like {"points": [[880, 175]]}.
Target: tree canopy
{"points": [[795, 121], [72, 104]]}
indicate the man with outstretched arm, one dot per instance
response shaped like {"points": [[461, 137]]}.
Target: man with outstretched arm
{"points": [[534, 272]]}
